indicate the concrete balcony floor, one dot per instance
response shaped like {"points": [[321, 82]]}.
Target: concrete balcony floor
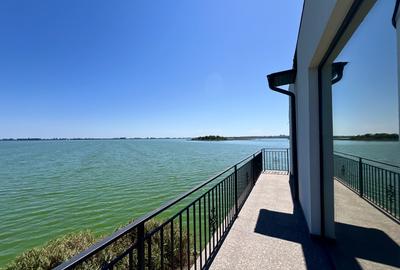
{"points": [[270, 233], [365, 237]]}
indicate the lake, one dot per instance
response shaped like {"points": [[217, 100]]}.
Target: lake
{"points": [[50, 188]]}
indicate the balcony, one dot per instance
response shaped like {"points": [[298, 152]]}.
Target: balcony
{"points": [[244, 218], [271, 232]]}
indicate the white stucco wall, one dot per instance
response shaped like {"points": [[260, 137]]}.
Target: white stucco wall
{"points": [[320, 22]]}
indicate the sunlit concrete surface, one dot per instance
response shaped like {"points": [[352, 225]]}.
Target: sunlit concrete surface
{"points": [[270, 233], [365, 237]]}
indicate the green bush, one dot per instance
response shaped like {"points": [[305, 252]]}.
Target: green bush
{"points": [[53, 253], [61, 249]]}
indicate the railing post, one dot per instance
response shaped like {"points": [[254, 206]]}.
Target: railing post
{"points": [[236, 193], [360, 177], [287, 160], [263, 159], [140, 239], [252, 169]]}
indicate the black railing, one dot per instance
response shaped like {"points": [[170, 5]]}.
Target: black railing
{"points": [[375, 181], [189, 238], [276, 160]]}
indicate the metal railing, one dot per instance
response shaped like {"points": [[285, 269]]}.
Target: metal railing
{"points": [[276, 160], [375, 181], [189, 238]]}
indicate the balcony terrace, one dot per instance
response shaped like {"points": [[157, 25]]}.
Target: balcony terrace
{"points": [[270, 232]]}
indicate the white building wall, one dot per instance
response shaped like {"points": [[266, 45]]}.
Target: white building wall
{"points": [[320, 22]]}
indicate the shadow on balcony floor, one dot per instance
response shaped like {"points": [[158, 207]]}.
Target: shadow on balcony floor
{"points": [[365, 237], [293, 228], [368, 244], [271, 233]]}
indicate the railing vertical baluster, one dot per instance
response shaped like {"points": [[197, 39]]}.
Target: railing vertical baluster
{"points": [[392, 198], [360, 176], [140, 249], [352, 176], [383, 189], [213, 216], [172, 245], [371, 194], [162, 247], [252, 170], [263, 159], [367, 187], [230, 194], [230, 201], [386, 191], [188, 236], [209, 223], [130, 260], [277, 157], [387, 176], [376, 185], [223, 206], [373, 173], [271, 160], [180, 242], [219, 209], [278, 154], [398, 195], [200, 239], [216, 213], [287, 160], [377, 175], [226, 184], [226, 201], [194, 236], [149, 258], [205, 228], [371, 183], [236, 194], [271, 163]]}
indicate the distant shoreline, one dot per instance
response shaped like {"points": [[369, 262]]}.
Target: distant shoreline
{"points": [[364, 137], [236, 138], [143, 138], [369, 137]]}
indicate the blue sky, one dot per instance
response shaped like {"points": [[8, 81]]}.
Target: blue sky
{"points": [[366, 100], [144, 68], [149, 68]]}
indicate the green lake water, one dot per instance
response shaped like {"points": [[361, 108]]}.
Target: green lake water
{"points": [[50, 188]]}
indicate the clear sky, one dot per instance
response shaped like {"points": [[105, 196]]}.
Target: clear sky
{"points": [[144, 68], [366, 100], [72, 68]]}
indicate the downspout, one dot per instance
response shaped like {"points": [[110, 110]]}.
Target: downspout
{"points": [[273, 83]]}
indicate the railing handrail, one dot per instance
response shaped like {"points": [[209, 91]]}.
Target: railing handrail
{"points": [[105, 242], [367, 159]]}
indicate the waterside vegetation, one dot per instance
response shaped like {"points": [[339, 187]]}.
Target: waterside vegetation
{"points": [[234, 138], [65, 247], [370, 137], [210, 138]]}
